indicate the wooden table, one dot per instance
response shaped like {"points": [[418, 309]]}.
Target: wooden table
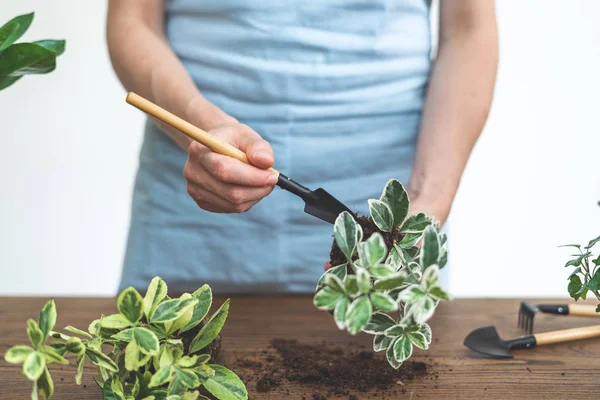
{"points": [[567, 371]]}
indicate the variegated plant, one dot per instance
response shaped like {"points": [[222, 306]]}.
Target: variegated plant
{"points": [[148, 359], [375, 281]]}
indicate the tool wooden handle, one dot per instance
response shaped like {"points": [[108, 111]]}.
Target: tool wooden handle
{"points": [[188, 129], [586, 310], [567, 335]]}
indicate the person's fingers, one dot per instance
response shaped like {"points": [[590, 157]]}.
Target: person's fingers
{"points": [[211, 202], [229, 170], [243, 137], [327, 266]]}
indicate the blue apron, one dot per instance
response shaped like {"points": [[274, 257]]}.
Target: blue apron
{"points": [[337, 87]]}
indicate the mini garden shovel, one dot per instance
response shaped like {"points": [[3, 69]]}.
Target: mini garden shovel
{"points": [[527, 312], [318, 202], [486, 340]]}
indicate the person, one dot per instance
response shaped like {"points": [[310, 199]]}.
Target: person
{"points": [[337, 94]]}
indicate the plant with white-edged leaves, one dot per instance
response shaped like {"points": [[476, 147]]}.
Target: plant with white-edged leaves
{"points": [[157, 346], [375, 281]]}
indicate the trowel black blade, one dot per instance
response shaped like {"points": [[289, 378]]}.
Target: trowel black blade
{"points": [[486, 341], [318, 203]]}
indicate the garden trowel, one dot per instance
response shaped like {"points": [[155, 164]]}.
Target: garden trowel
{"points": [[486, 340], [527, 312], [318, 202]]}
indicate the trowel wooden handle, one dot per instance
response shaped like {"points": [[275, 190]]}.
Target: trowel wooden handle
{"points": [[567, 335], [585, 310], [191, 131]]}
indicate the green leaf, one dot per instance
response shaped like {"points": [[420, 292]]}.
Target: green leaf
{"points": [[45, 384], [382, 215], [34, 365], [577, 246], [351, 285], [187, 378], [592, 243], [225, 385], [339, 270], [157, 291], [412, 294], [430, 249], [363, 281], [394, 331], [358, 314], [146, 341], [383, 302], [345, 233], [47, 318], [35, 333], [402, 349], [575, 287], [416, 224], [26, 58], [420, 310], [132, 356], [326, 298], [335, 283], [162, 376], [14, 29], [381, 342], [418, 339], [100, 359], [52, 356], [395, 196], [115, 321], [409, 240], [394, 258], [576, 262], [339, 313], [204, 297], [372, 251], [391, 282], [18, 354], [598, 308], [130, 304], [57, 46], [438, 293], [431, 277], [211, 329], [78, 331], [392, 360], [80, 365], [425, 331], [171, 310], [378, 323], [381, 271]]}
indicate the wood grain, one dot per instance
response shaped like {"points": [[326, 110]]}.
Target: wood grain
{"points": [[563, 371]]}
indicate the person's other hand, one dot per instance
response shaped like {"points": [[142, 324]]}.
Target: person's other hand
{"points": [[327, 265], [223, 184]]}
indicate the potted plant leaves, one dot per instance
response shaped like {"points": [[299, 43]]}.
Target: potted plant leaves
{"points": [[20, 59], [159, 348], [384, 279]]}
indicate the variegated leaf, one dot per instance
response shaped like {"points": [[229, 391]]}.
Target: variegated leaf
{"points": [[18, 354], [35, 333], [170, 310], [204, 296], [339, 270], [382, 215], [339, 313], [395, 196], [326, 298], [335, 283], [421, 310], [418, 339], [157, 291], [389, 354], [358, 314], [430, 249], [378, 323], [416, 223], [431, 277], [363, 281], [381, 271], [77, 331], [130, 304], [162, 376], [351, 284], [115, 321], [45, 384], [402, 349], [47, 318], [372, 251], [225, 384], [425, 330], [345, 233], [391, 282], [381, 342], [34, 366], [211, 329], [383, 302]]}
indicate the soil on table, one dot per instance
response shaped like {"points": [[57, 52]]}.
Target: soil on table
{"points": [[326, 371], [336, 257]]}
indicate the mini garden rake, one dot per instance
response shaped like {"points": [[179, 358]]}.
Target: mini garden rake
{"points": [[527, 312]]}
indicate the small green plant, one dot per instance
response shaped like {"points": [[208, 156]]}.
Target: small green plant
{"points": [[17, 60], [586, 275], [159, 348], [374, 280]]}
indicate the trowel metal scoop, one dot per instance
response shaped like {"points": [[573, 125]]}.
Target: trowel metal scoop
{"points": [[486, 340], [318, 203]]}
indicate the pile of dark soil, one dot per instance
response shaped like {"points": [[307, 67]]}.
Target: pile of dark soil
{"points": [[327, 371], [336, 257]]}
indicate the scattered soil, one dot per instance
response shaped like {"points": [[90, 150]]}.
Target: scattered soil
{"points": [[336, 257], [327, 371]]}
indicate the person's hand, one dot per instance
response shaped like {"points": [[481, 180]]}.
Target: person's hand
{"points": [[327, 265], [223, 184]]}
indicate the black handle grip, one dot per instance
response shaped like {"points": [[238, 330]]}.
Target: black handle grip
{"points": [[558, 309], [524, 342], [293, 187]]}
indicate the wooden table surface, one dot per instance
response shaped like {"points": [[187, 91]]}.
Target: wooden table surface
{"points": [[565, 371]]}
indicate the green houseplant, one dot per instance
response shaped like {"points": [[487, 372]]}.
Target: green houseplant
{"points": [[379, 268], [154, 348], [19, 59], [586, 275]]}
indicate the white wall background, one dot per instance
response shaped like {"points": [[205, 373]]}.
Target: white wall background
{"points": [[69, 143]]}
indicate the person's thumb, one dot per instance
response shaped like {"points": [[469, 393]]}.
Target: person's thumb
{"points": [[260, 154]]}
